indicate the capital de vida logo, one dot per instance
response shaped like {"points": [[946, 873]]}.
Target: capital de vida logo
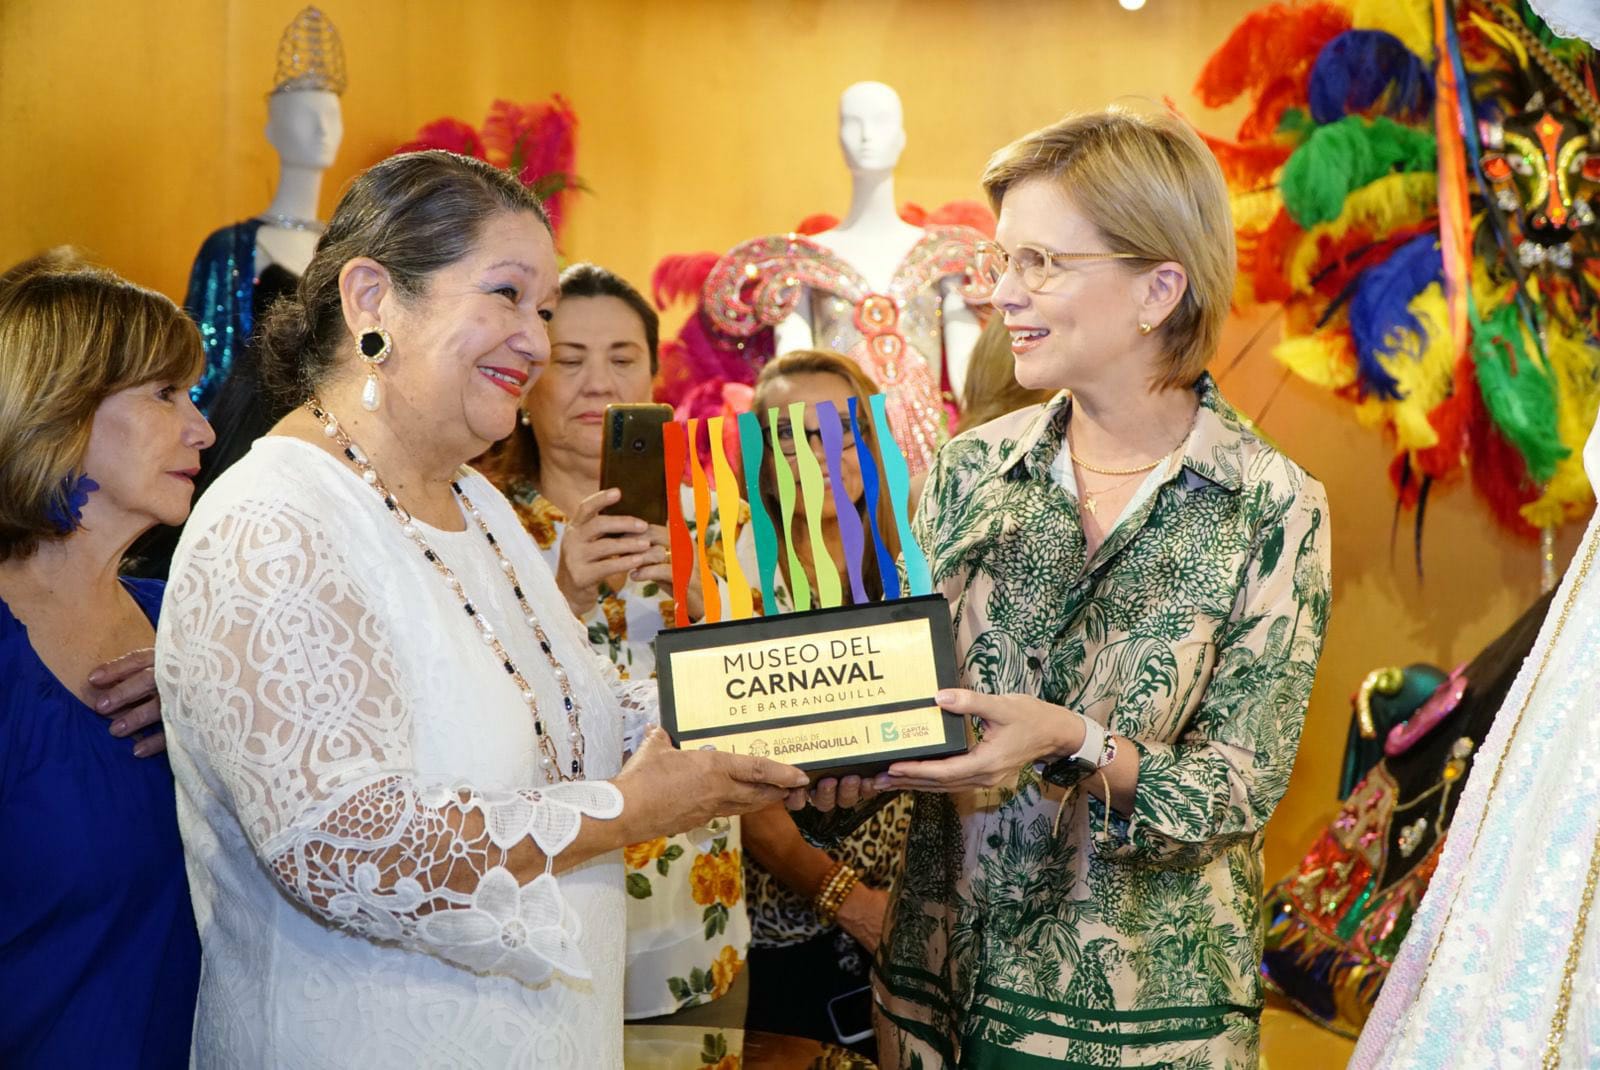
{"points": [[888, 731]]}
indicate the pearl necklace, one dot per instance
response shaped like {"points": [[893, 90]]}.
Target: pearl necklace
{"points": [[549, 759]]}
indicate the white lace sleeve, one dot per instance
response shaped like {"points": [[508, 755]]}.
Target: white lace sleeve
{"points": [[638, 700], [284, 687]]}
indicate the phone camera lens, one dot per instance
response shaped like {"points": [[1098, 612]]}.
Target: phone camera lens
{"points": [[616, 432], [638, 445]]}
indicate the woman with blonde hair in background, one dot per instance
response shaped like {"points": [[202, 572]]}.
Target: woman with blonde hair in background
{"points": [[991, 389], [99, 442]]}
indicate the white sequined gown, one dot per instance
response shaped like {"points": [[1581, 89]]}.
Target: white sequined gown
{"points": [[1512, 881], [334, 720]]}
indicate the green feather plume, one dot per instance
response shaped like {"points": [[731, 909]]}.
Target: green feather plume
{"points": [[1517, 391], [1341, 157]]}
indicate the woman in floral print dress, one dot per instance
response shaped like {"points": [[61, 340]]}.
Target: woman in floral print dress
{"points": [[1139, 587], [688, 931]]}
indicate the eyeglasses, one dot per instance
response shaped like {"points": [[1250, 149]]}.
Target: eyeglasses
{"points": [[813, 436], [1036, 266]]}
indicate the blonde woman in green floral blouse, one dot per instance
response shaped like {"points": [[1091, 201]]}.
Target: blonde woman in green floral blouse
{"points": [[1140, 586]]}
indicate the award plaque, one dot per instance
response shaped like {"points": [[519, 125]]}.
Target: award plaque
{"points": [[844, 684], [833, 691]]}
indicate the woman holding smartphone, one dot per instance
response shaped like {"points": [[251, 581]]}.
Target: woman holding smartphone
{"points": [[688, 932]]}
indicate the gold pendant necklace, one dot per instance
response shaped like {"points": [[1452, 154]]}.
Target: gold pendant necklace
{"points": [[1091, 499]]}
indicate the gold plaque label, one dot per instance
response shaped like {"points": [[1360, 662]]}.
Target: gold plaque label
{"points": [[739, 685], [847, 738]]}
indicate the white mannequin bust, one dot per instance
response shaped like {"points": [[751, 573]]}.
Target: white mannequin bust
{"points": [[872, 238], [305, 127]]}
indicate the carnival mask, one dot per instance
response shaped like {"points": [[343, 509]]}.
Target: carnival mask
{"points": [[1544, 167]]}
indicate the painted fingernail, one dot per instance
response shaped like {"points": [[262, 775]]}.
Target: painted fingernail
{"points": [[104, 704], [141, 749], [119, 728], [96, 676]]}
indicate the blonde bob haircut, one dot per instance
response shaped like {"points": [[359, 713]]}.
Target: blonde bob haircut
{"points": [[71, 335], [1151, 188]]}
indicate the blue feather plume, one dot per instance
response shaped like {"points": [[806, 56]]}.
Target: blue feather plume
{"points": [[1378, 311], [1356, 69]]}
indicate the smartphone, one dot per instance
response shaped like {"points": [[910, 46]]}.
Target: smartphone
{"points": [[851, 1015], [632, 458]]}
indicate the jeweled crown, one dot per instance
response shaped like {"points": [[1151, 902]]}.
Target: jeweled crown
{"points": [[310, 56]]}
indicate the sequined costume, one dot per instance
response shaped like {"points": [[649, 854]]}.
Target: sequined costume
{"points": [[896, 336], [221, 289], [1502, 964]]}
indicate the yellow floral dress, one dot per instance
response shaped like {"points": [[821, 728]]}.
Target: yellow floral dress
{"points": [[688, 931]]}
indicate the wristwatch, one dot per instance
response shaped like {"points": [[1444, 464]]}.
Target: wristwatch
{"points": [[1099, 748]]}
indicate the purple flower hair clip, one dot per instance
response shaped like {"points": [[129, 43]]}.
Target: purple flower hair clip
{"points": [[66, 509]]}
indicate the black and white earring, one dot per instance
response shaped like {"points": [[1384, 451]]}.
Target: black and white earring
{"points": [[523, 417], [374, 345]]}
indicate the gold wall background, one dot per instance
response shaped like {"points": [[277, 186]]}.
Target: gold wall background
{"points": [[134, 129]]}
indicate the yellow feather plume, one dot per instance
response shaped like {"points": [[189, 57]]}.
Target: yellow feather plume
{"points": [[1254, 210], [1409, 20], [1577, 368], [1325, 360], [1423, 368]]}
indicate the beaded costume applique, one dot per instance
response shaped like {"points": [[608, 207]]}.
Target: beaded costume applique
{"points": [[896, 336]]}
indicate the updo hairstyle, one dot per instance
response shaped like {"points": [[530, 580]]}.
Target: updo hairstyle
{"points": [[414, 213]]}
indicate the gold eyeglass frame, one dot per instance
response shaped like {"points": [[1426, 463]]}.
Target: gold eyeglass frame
{"points": [[1050, 259]]}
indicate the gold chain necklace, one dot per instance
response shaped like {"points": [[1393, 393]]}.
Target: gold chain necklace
{"points": [[1097, 470], [1551, 1059], [1091, 499], [1081, 463], [550, 759]]}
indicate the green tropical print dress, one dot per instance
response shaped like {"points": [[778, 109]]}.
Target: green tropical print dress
{"points": [[1029, 927]]}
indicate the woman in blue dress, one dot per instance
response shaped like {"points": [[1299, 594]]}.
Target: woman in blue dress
{"points": [[99, 960]]}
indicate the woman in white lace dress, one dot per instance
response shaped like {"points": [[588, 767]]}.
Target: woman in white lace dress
{"points": [[399, 765]]}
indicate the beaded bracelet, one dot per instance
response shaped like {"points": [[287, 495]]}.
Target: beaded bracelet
{"points": [[836, 887]]}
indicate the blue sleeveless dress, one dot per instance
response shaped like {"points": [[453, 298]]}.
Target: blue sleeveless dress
{"points": [[99, 957]]}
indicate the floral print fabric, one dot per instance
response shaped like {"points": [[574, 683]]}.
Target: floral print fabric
{"points": [[1031, 927]]}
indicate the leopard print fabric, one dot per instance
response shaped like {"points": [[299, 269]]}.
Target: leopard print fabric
{"points": [[780, 917]]}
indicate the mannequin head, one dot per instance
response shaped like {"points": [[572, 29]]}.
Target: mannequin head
{"points": [[871, 128], [305, 126]]}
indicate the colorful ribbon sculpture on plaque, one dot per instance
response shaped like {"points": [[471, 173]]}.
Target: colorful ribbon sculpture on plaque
{"points": [[801, 486]]}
